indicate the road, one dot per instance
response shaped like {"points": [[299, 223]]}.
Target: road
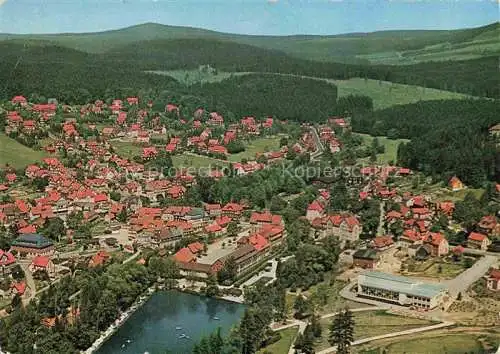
{"points": [[465, 279], [303, 324], [391, 335], [30, 282], [380, 229], [270, 274], [319, 144]]}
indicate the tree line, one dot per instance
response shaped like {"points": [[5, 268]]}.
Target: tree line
{"points": [[448, 137]]}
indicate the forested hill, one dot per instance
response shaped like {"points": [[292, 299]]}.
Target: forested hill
{"points": [[447, 137], [351, 47], [475, 77]]}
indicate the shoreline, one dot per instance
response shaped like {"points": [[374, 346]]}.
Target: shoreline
{"points": [[140, 301], [124, 316]]}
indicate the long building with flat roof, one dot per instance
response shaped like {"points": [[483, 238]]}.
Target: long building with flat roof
{"points": [[400, 290]]}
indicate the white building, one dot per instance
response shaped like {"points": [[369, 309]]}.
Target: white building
{"points": [[400, 290]]}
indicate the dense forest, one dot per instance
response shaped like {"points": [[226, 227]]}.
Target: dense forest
{"points": [[476, 77], [281, 96], [447, 137]]}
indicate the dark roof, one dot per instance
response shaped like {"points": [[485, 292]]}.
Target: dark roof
{"points": [[366, 254], [196, 267], [240, 254], [32, 240]]}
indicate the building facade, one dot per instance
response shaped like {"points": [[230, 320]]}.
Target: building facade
{"points": [[400, 290]]}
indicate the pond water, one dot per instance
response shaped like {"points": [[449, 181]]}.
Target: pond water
{"points": [[172, 322]]}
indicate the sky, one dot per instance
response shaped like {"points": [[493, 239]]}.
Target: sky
{"points": [[263, 17]]}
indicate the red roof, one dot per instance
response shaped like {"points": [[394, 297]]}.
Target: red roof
{"points": [[258, 242], [213, 228], [458, 250], [40, 261], [382, 241], [315, 206], [195, 247], [20, 287], [476, 236], [100, 198], [232, 207], [6, 258], [184, 255], [223, 220], [265, 217], [495, 274]]}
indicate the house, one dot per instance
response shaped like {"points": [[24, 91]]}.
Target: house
{"points": [[33, 245], [365, 258], [196, 247], [314, 210], [184, 255], [495, 130], [7, 261], [489, 225], [42, 263], [493, 280], [214, 228], [149, 153], [233, 210], [478, 241], [456, 184], [438, 243], [382, 242], [99, 259], [19, 100], [213, 210], [217, 150], [18, 288], [264, 218]]}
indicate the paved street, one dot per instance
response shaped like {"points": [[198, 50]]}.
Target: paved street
{"points": [[394, 334], [465, 279]]}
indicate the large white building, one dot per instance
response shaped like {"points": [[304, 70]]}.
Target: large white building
{"points": [[400, 290]]}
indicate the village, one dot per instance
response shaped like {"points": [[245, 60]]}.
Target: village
{"points": [[117, 180]]}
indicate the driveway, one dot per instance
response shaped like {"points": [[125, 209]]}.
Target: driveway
{"points": [[465, 279], [270, 274]]}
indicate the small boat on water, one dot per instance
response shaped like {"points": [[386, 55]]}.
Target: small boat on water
{"points": [[128, 341], [216, 318], [178, 328], [182, 336]]}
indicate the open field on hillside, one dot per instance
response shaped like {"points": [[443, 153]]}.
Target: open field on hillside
{"points": [[384, 94], [281, 346], [16, 154], [450, 344], [373, 323], [196, 161], [126, 149], [483, 45], [258, 145], [391, 147]]}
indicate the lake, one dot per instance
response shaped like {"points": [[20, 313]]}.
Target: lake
{"points": [[152, 328]]}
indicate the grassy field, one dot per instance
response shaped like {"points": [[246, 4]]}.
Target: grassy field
{"points": [[196, 161], [255, 146], [391, 147], [450, 344], [16, 154], [386, 94], [126, 149], [447, 194], [374, 323], [282, 346]]}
